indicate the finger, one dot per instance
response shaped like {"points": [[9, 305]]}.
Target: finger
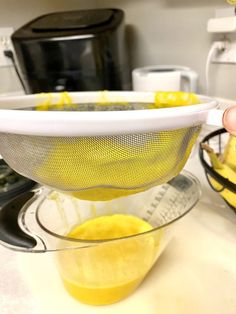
{"points": [[229, 120]]}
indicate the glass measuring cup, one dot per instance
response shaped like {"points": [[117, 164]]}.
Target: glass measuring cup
{"points": [[99, 271]]}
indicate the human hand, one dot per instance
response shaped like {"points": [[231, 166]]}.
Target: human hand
{"points": [[229, 120]]}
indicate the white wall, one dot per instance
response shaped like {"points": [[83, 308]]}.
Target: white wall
{"points": [[160, 32]]}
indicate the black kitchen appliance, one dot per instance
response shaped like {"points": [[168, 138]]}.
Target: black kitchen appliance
{"points": [[12, 184], [74, 51]]}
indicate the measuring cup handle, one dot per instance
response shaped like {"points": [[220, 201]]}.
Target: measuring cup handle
{"points": [[192, 79], [215, 117], [11, 235]]}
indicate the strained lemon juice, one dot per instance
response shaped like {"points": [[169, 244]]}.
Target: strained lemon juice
{"points": [[109, 271]]}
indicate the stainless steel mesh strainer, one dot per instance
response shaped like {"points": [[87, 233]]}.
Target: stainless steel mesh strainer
{"points": [[100, 155]]}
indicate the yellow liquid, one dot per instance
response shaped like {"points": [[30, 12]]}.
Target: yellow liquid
{"points": [[108, 272], [101, 295]]}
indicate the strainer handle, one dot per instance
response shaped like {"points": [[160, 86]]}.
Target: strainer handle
{"points": [[215, 117], [11, 235]]}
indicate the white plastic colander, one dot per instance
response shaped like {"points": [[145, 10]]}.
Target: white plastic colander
{"points": [[100, 152]]}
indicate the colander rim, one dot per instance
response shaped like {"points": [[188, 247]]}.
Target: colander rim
{"points": [[100, 123]]}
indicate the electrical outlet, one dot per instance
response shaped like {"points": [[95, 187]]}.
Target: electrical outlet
{"points": [[5, 44], [226, 56]]}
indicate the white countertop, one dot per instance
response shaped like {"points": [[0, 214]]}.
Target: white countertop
{"points": [[196, 273]]}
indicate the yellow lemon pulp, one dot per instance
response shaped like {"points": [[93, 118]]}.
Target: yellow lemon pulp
{"points": [[101, 168], [175, 99], [110, 271], [93, 167]]}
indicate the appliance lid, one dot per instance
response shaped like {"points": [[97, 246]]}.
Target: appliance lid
{"points": [[69, 24], [63, 21]]}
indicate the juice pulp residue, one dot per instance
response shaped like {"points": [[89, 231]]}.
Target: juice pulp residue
{"points": [[101, 168], [110, 271]]}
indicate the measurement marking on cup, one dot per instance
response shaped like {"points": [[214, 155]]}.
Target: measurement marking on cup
{"points": [[157, 199]]}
